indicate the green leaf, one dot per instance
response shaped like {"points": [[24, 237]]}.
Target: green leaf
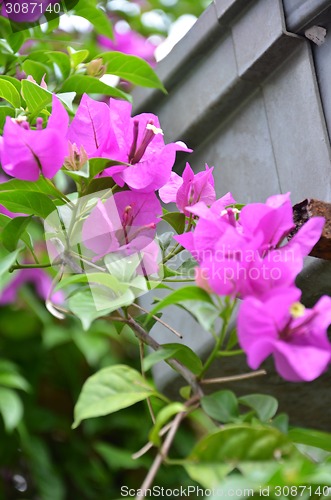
{"points": [[14, 381], [116, 458], [221, 406], [35, 69], [39, 186], [162, 418], [110, 390], [11, 408], [45, 475], [9, 93], [91, 85], [10, 377], [13, 81], [265, 406], [35, 96], [16, 40], [4, 112], [88, 307], [61, 60], [180, 352], [131, 68], [97, 165], [6, 263], [27, 202], [97, 17], [187, 268], [92, 346], [12, 232], [181, 295], [211, 475], [241, 442], [77, 56], [99, 184], [310, 437], [176, 221], [203, 312]]}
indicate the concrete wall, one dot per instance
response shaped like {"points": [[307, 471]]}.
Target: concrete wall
{"points": [[252, 95]]}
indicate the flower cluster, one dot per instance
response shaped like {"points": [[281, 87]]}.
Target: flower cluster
{"points": [[241, 252]]}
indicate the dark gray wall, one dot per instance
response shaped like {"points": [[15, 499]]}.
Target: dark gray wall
{"points": [[252, 95]]}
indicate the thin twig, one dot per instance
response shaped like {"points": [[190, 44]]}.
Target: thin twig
{"points": [[233, 378], [150, 445], [163, 430], [176, 365], [160, 321], [161, 455], [141, 351], [28, 266]]}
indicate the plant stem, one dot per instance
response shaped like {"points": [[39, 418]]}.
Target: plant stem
{"points": [[233, 378], [28, 266], [177, 249], [182, 280], [227, 313], [142, 355], [62, 196], [161, 455], [225, 354], [176, 365], [160, 321]]}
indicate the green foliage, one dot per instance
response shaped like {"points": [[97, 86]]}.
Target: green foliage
{"points": [[27, 202], [11, 408], [176, 221], [131, 68], [14, 231], [221, 406], [52, 368], [35, 97], [162, 418], [110, 390], [84, 83], [9, 93], [180, 352], [264, 406]]}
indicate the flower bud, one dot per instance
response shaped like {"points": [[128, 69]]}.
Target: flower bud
{"points": [[96, 68], [76, 159]]}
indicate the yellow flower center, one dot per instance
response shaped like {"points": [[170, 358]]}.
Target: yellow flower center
{"points": [[297, 310]]}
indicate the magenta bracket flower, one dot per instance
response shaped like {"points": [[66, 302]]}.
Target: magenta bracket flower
{"points": [[189, 189], [130, 42], [27, 153], [281, 326], [125, 224], [110, 132], [41, 281], [244, 256]]}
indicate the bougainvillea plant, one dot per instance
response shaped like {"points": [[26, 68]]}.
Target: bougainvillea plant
{"points": [[85, 189]]}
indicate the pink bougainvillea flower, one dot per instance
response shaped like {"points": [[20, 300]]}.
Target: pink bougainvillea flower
{"points": [[130, 42], [274, 219], [281, 326], [125, 224], [243, 256], [110, 132], [212, 223], [189, 189], [28, 14], [38, 278], [26, 153], [90, 127], [43, 84]]}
